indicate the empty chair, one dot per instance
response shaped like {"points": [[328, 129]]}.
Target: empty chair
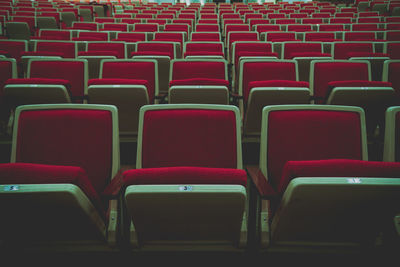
{"points": [[291, 50], [244, 49], [75, 71], [374, 98], [89, 26], [206, 36], [176, 37], [209, 49], [114, 48], [292, 133], [324, 71], [64, 35], [91, 36], [203, 27], [235, 36], [215, 217], [361, 51], [59, 174], [164, 48], [265, 93], [254, 69], [128, 84], [130, 37], [65, 49], [361, 36], [210, 74]]}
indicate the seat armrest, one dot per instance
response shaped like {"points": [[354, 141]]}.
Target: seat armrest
{"points": [[264, 188]]}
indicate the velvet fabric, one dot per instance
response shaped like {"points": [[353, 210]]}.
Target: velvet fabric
{"points": [[132, 70], [27, 173], [311, 135], [68, 142], [337, 168], [189, 137], [325, 72]]}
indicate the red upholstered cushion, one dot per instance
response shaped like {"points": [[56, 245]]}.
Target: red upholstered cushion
{"points": [[204, 53], [81, 138], [157, 47], [42, 53], [117, 81], [98, 53], [337, 168], [13, 48], [290, 48], [151, 53], [110, 46], [68, 70], [133, 70], [308, 54], [263, 71], [366, 54], [199, 81], [342, 50], [252, 53], [325, 72], [67, 48], [187, 137], [26, 173], [185, 175], [274, 83], [198, 69], [311, 135], [38, 81]]}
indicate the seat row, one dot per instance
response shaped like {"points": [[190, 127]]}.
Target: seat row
{"points": [[65, 190]]}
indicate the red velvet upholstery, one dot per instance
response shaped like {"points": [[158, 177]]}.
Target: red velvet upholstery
{"points": [[117, 81], [132, 70], [320, 37], [110, 46], [63, 82], [393, 49], [337, 168], [55, 35], [365, 27], [99, 53], [357, 83], [331, 27], [198, 69], [202, 47], [199, 81], [13, 48], [27, 173], [146, 27], [157, 47], [281, 36], [264, 71], [241, 36], [68, 142], [185, 175], [360, 36], [131, 36], [253, 48], [67, 48], [169, 37], [268, 28], [342, 50], [73, 71], [273, 83], [311, 135], [325, 72], [91, 36], [187, 137], [115, 27], [89, 26], [207, 28], [291, 48]]}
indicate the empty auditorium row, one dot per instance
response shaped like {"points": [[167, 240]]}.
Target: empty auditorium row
{"points": [[257, 127]]}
